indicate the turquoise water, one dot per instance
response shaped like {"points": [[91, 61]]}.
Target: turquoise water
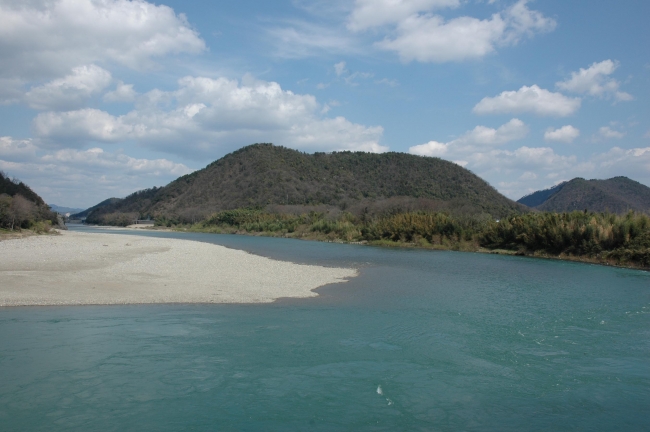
{"points": [[421, 340]]}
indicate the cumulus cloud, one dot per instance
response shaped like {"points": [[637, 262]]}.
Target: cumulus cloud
{"points": [[565, 134], [513, 170], [595, 81], [75, 128], [206, 117], [57, 176], [97, 157], [42, 39], [490, 153], [609, 133], [429, 38], [478, 139], [16, 150], [531, 99], [122, 93], [515, 129], [374, 13], [633, 162], [71, 91]]}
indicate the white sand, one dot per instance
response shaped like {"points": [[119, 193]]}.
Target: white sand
{"points": [[82, 269]]}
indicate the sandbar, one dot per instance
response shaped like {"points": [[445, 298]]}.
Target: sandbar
{"points": [[75, 268]]}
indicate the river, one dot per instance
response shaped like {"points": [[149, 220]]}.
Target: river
{"points": [[420, 340]]}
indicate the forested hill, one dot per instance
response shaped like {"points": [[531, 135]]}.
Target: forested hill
{"points": [[85, 213], [14, 187], [263, 175], [538, 198], [616, 195], [21, 207]]}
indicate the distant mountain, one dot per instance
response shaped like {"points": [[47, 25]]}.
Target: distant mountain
{"points": [[538, 198], [63, 210], [264, 175], [84, 213], [616, 195]]}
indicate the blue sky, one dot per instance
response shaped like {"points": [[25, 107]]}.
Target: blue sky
{"points": [[103, 98]]}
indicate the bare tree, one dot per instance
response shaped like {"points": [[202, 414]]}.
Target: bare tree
{"points": [[21, 211]]}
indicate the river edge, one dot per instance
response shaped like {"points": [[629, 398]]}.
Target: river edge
{"points": [[74, 268], [465, 247], [382, 243]]}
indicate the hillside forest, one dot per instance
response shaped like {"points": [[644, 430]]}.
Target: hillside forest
{"points": [[22, 208]]}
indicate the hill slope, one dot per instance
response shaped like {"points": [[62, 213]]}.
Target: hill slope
{"points": [[20, 206], [538, 198], [85, 213], [617, 195], [264, 175], [14, 187]]}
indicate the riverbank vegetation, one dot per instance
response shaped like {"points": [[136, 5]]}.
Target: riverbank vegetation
{"points": [[585, 236], [21, 208]]}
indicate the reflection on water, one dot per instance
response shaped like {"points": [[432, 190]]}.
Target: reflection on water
{"points": [[420, 340]]}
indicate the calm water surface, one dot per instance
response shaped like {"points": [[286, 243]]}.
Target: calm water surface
{"points": [[421, 340]]}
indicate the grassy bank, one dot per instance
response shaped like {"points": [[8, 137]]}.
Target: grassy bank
{"points": [[578, 236], [37, 228]]}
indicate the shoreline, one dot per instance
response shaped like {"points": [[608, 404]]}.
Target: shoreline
{"points": [[75, 268], [388, 244]]}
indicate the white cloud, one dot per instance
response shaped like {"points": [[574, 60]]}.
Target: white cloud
{"points": [[122, 93], [73, 128], [531, 99], [513, 170], [340, 69], [515, 129], [16, 150], [429, 38], [304, 39], [350, 78], [432, 148], [565, 134], [476, 140], [374, 13], [633, 163], [97, 157], [595, 81], [71, 91], [42, 39], [206, 117], [609, 133], [519, 171], [57, 176]]}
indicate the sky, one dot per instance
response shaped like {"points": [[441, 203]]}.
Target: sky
{"points": [[101, 98]]}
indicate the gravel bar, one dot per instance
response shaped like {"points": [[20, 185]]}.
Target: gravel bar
{"points": [[100, 269]]}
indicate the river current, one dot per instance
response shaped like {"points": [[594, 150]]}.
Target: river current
{"points": [[420, 340]]}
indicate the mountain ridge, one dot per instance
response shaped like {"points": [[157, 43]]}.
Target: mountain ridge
{"points": [[617, 195], [263, 175]]}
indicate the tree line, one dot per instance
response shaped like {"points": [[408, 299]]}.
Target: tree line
{"points": [[598, 237], [22, 208]]}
